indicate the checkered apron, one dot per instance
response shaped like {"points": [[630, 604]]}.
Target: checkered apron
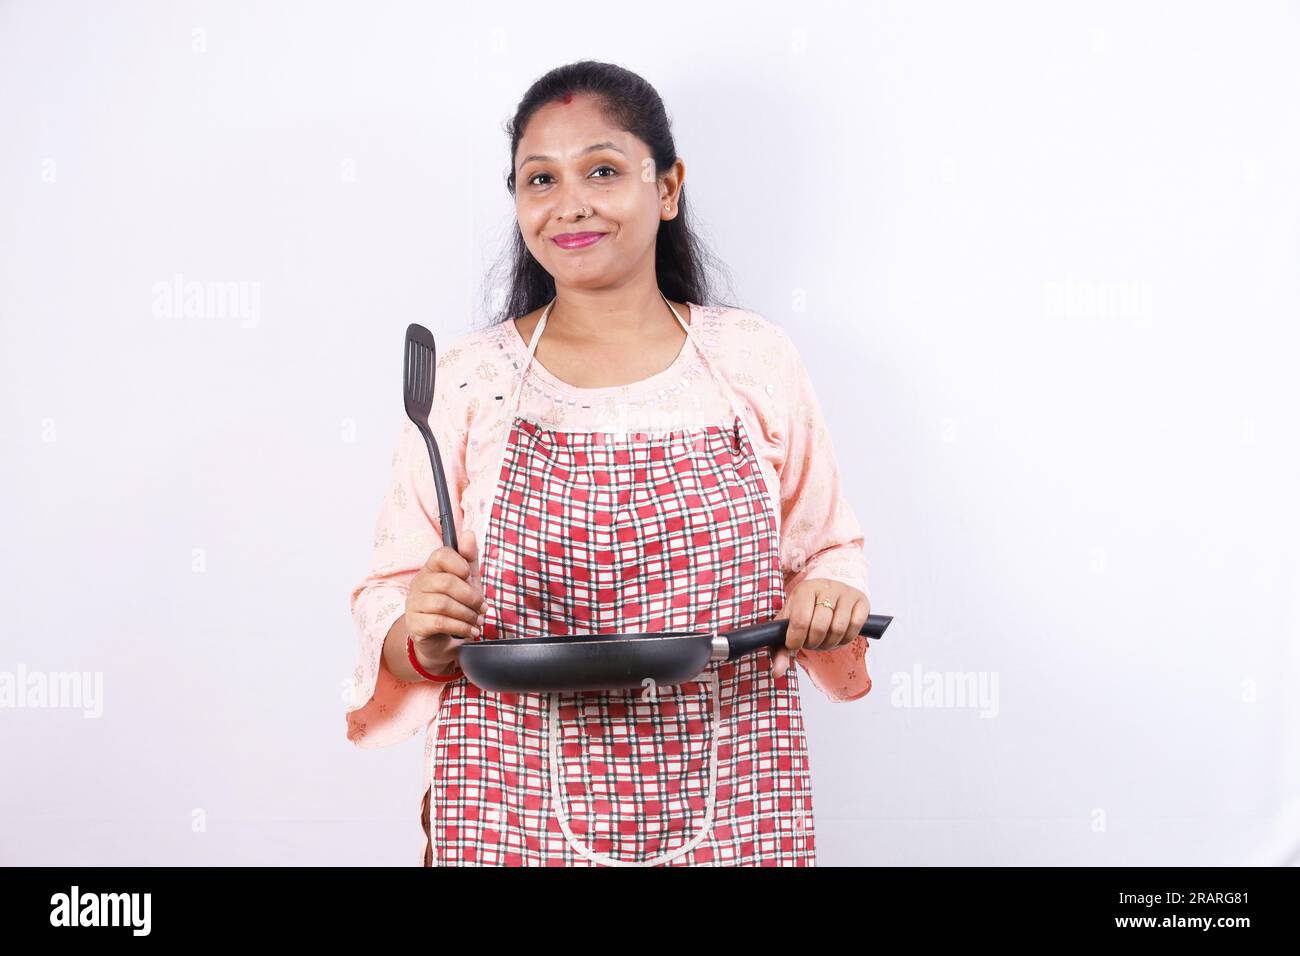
{"points": [[601, 532]]}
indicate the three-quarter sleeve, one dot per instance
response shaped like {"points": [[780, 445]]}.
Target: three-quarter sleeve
{"points": [[820, 534], [381, 708]]}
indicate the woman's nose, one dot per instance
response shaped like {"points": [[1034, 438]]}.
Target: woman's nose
{"points": [[571, 201]]}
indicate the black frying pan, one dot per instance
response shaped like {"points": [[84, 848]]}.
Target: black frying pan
{"points": [[616, 661], [581, 662]]}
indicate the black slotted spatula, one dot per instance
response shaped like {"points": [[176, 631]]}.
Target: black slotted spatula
{"points": [[418, 367]]}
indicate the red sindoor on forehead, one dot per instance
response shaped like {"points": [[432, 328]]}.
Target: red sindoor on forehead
{"points": [[568, 97]]}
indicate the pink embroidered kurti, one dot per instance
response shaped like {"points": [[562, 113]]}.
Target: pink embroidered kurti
{"points": [[819, 533]]}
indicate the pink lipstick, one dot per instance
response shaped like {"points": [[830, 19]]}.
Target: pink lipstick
{"points": [[577, 240]]}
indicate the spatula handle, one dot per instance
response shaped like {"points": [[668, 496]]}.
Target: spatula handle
{"points": [[446, 520]]}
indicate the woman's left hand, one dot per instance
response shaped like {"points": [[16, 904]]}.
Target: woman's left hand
{"points": [[816, 627]]}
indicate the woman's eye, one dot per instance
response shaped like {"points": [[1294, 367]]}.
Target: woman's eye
{"points": [[532, 180]]}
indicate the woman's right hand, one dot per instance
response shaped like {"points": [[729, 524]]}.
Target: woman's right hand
{"points": [[444, 603]]}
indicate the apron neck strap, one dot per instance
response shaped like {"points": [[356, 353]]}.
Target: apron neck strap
{"points": [[532, 347], [690, 335], [708, 361]]}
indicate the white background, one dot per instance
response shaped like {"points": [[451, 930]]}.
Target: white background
{"points": [[1042, 262]]}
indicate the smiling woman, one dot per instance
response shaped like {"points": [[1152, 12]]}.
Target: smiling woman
{"points": [[586, 213], [592, 151], [634, 458]]}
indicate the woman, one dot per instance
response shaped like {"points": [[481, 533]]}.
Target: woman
{"points": [[632, 460]]}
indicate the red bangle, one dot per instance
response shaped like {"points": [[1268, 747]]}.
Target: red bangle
{"points": [[410, 652]]}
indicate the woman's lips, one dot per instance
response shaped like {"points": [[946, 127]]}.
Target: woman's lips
{"points": [[576, 240]]}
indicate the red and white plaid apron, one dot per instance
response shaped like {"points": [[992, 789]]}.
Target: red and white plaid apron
{"points": [[601, 532]]}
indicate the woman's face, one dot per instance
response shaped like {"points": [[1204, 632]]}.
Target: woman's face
{"points": [[564, 186]]}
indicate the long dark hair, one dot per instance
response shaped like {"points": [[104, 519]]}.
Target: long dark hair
{"points": [[633, 105]]}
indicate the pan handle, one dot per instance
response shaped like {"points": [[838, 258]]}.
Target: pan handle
{"points": [[745, 640]]}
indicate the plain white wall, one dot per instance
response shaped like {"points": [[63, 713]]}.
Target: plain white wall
{"points": [[1041, 260]]}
